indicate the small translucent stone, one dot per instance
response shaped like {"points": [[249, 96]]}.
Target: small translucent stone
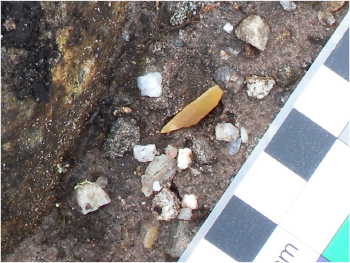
{"points": [[185, 214], [233, 146], [244, 135], [226, 132]]}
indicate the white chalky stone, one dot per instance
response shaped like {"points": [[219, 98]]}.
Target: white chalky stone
{"points": [[156, 186], [184, 159], [244, 135], [228, 27], [150, 84], [189, 201], [145, 153]]}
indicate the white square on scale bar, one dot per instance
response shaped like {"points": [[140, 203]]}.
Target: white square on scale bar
{"points": [[326, 101], [270, 187], [323, 204], [207, 252], [283, 247]]}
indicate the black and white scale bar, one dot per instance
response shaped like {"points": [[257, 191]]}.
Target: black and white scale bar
{"points": [[292, 194]]}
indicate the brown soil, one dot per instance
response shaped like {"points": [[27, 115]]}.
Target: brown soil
{"points": [[187, 63]]}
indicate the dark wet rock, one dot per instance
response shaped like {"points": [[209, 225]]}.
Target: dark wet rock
{"points": [[37, 63], [123, 136], [203, 150], [144, 18], [249, 51], [227, 77], [286, 76]]}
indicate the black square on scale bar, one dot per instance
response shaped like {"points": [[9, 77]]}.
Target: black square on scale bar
{"points": [[300, 144], [240, 231]]}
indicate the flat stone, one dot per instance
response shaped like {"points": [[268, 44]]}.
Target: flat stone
{"points": [[161, 169], [288, 5]]}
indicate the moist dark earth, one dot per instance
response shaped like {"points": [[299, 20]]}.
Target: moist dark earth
{"points": [[186, 43]]}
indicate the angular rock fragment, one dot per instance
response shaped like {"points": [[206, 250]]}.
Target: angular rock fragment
{"points": [[227, 77], [184, 158], [259, 87], [288, 5], [203, 151], [161, 169], [189, 201], [150, 85], [233, 146], [226, 132], [145, 153], [122, 137], [90, 196], [165, 205], [253, 30]]}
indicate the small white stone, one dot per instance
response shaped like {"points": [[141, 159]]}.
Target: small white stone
{"points": [[150, 84], [165, 205], [226, 132], [288, 5], [259, 87], [228, 27], [156, 186], [90, 196], [184, 159], [233, 146], [145, 153], [185, 214], [171, 151], [189, 201], [244, 135]]}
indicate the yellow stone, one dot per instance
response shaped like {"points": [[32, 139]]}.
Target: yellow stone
{"points": [[195, 111]]}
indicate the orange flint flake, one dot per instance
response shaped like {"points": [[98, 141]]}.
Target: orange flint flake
{"points": [[195, 111]]}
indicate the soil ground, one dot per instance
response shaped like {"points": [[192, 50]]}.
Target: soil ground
{"points": [[187, 53]]}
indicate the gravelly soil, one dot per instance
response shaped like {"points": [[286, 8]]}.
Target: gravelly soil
{"points": [[187, 56]]}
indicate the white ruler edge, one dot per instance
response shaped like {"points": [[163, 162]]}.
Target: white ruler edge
{"points": [[275, 125]]}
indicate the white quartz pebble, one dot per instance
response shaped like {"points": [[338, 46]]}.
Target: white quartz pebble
{"points": [[226, 132], [185, 214], [150, 85], [244, 135], [189, 201], [228, 27], [145, 153], [184, 158]]}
